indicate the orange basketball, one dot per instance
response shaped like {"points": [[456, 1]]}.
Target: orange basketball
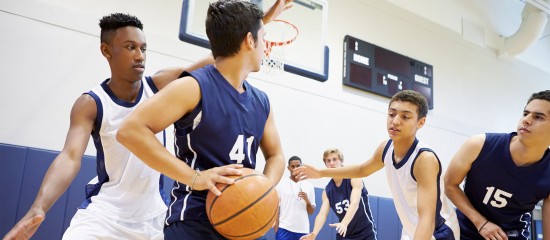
{"points": [[246, 209]]}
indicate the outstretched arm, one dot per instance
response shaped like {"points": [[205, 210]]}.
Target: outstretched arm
{"points": [[365, 169], [167, 75], [276, 9], [342, 227], [63, 169], [426, 171], [456, 172], [320, 219]]}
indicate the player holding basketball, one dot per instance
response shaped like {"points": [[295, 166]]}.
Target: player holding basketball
{"points": [[297, 201], [348, 198], [219, 119], [134, 195], [506, 174], [413, 171]]}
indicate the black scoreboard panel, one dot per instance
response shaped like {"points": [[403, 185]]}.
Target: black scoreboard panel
{"points": [[372, 68]]}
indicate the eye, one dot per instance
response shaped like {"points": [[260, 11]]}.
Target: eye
{"points": [[143, 50], [131, 47]]}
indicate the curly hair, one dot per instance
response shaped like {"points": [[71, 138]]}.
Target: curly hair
{"points": [[109, 24]]}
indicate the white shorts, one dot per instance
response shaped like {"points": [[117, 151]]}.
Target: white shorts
{"points": [[86, 225]]}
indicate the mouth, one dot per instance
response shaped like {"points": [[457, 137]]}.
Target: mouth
{"points": [[393, 130], [139, 67], [523, 130]]}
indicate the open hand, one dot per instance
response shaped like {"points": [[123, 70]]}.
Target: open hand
{"points": [[207, 179], [341, 228], [26, 227], [306, 172]]}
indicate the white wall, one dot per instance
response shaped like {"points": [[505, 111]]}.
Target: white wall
{"points": [[49, 55]]}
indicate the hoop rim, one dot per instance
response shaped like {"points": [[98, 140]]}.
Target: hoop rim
{"points": [[271, 44]]}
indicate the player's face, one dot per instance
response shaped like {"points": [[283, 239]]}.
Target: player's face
{"points": [[402, 121], [128, 53], [333, 161], [535, 124], [293, 165]]}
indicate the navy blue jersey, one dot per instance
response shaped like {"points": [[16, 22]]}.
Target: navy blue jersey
{"points": [[362, 224], [225, 128], [502, 192]]}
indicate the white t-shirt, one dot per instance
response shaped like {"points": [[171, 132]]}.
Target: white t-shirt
{"points": [[293, 214]]}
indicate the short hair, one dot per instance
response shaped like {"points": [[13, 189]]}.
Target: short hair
{"points": [[331, 151], [294, 158], [227, 24], [543, 95], [111, 23], [413, 97]]}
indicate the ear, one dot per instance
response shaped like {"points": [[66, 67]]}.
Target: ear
{"points": [[250, 41], [421, 122], [105, 50]]}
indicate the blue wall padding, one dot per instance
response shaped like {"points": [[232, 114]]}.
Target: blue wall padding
{"points": [[12, 165], [22, 170]]}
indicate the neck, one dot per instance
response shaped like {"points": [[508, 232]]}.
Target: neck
{"points": [[292, 179], [525, 154], [337, 181], [400, 148], [123, 89], [234, 70]]}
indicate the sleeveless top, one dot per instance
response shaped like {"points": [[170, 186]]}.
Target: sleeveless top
{"points": [[226, 127], [125, 188]]}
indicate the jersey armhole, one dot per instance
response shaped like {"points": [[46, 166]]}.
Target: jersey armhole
{"points": [[99, 115]]}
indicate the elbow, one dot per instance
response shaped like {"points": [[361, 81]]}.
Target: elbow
{"points": [[123, 134]]}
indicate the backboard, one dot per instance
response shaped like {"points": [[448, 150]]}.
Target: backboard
{"points": [[307, 56]]}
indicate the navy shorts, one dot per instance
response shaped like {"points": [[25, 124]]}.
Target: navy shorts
{"points": [[192, 229]]}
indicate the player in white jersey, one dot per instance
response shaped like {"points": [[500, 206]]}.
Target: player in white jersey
{"points": [[414, 180], [405, 192], [124, 201]]}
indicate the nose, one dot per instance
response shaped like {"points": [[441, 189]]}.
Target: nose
{"points": [[395, 120], [527, 119], [140, 56]]}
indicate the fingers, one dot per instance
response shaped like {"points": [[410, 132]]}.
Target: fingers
{"points": [[215, 190], [229, 170]]}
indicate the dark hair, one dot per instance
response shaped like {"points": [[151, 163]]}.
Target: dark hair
{"points": [[227, 24], [543, 95], [109, 24], [415, 98], [294, 158]]}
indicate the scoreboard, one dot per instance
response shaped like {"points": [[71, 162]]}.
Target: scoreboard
{"points": [[377, 70]]}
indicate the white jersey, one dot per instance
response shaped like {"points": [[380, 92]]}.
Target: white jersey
{"points": [[404, 190], [125, 188], [293, 214]]}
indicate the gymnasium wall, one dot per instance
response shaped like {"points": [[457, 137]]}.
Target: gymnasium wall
{"points": [[50, 55]]}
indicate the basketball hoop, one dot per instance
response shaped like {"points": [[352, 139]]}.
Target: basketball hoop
{"points": [[279, 33]]}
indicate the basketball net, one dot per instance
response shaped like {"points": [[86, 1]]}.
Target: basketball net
{"points": [[279, 33]]}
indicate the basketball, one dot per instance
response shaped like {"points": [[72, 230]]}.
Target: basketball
{"points": [[246, 209]]}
